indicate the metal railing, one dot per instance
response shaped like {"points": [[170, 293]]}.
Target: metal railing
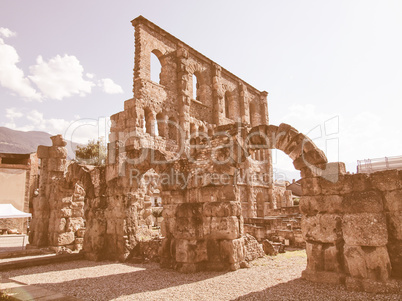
{"points": [[378, 164]]}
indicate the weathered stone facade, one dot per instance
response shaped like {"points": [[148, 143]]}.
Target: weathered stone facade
{"points": [[208, 158], [351, 223], [58, 221]]}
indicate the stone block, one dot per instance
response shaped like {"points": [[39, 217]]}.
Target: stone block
{"points": [[66, 212], [56, 164], [74, 223], [80, 233], [268, 248], [189, 210], [367, 262], [311, 205], [310, 186], [342, 186], [295, 147], [224, 227], [77, 212], [189, 228], [58, 140], [324, 228], [395, 256], [284, 136], [360, 181], [299, 145], [386, 180], [253, 249], [191, 251], [393, 201], [323, 257], [330, 171], [361, 202], [332, 258], [79, 240], [66, 238], [43, 152], [365, 229], [394, 224], [213, 250], [221, 209], [232, 251], [57, 152]]}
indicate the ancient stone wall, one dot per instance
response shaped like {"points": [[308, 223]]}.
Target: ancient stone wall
{"points": [[351, 223], [173, 127], [193, 152], [352, 228], [58, 220]]}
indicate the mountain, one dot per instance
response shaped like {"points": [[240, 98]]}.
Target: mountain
{"points": [[19, 142]]}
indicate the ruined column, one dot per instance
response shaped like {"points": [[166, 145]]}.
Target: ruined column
{"points": [[53, 164], [264, 107], [217, 95], [183, 91]]}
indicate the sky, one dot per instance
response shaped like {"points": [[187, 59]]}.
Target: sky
{"points": [[333, 69]]}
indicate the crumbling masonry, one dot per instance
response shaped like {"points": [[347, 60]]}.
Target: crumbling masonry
{"points": [[200, 139]]}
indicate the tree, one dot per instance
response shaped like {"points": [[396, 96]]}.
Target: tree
{"points": [[93, 153]]}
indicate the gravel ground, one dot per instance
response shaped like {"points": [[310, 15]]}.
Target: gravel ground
{"points": [[270, 278]]}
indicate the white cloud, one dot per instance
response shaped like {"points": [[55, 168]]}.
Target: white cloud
{"points": [[7, 33], [79, 130], [13, 113], [109, 86], [12, 77], [57, 78], [60, 77]]}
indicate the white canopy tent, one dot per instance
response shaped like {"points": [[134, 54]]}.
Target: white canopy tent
{"points": [[9, 211]]}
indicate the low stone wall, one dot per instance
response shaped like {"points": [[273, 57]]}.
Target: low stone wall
{"points": [[352, 227]]}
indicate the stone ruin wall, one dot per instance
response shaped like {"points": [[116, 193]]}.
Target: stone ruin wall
{"points": [[58, 210], [353, 228], [351, 223]]}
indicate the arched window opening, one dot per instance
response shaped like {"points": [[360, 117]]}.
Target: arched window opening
{"points": [[156, 68], [156, 127], [196, 87], [149, 122], [227, 104], [260, 205], [144, 124]]}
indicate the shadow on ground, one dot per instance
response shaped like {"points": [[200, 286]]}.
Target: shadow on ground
{"points": [[145, 278], [300, 289]]}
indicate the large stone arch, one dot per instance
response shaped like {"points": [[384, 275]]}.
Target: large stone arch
{"points": [[348, 220], [284, 137]]}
